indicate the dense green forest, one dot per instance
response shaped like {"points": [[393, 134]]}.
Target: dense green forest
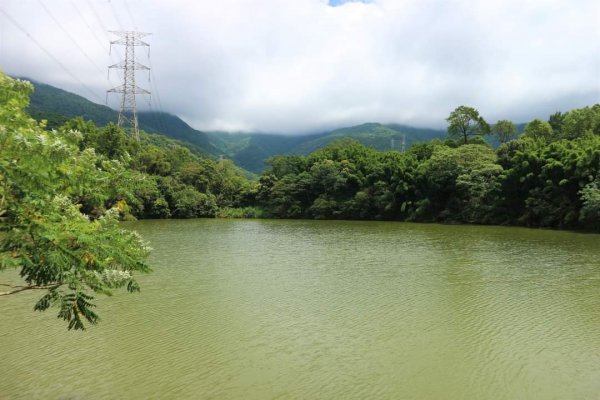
{"points": [[157, 177], [54, 228], [57, 106], [247, 150], [250, 150], [548, 177], [63, 190]]}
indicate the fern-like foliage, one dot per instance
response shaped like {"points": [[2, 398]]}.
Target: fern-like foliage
{"points": [[43, 232]]}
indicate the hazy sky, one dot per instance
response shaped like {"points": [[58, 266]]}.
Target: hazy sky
{"points": [[297, 66]]}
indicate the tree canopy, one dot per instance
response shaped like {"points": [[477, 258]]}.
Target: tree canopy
{"points": [[465, 122], [58, 249], [540, 179], [505, 130], [62, 192]]}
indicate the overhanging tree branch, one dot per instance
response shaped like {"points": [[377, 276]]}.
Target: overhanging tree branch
{"points": [[19, 288]]}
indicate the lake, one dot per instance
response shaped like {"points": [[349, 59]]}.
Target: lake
{"points": [[263, 309]]}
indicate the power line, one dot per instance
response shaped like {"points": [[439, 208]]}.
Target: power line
{"points": [[130, 15], [60, 64], [119, 24], [69, 36], [97, 17], [116, 56], [101, 23], [160, 127], [92, 31], [88, 25], [160, 113], [155, 85]]}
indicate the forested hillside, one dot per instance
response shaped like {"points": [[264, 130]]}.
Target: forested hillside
{"points": [[548, 177], [248, 150], [57, 106], [375, 135], [63, 190]]}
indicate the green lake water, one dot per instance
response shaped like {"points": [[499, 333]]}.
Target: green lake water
{"points": [[260, 309]]}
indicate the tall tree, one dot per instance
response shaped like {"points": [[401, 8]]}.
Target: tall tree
{"points": [[505, 130], [538, 129], [465, 122], [556, 121], [43, 233]]}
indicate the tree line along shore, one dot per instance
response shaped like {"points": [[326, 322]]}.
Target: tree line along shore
{"points": [[63, 191]]}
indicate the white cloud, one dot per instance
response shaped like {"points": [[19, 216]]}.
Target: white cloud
{"points": [[301, 65]]}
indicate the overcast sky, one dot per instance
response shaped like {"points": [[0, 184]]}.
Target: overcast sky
{"points": [[297, 66]]}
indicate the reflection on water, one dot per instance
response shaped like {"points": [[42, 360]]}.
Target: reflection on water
{"points": [[313, 309]]}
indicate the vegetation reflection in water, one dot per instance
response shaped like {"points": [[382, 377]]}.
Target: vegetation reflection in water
{"points": [[310, 309]]}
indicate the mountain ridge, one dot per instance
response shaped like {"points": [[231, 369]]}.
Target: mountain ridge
{"points": [[248, 150]]}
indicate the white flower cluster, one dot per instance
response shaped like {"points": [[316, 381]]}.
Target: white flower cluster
{"points": [[141, 242], [112, 214], [41, 138], [59, 148], [113, 276]]}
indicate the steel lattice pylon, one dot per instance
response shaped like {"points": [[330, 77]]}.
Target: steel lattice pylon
{"points": [[128, 112]]}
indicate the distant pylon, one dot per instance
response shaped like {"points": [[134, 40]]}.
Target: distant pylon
{"points": [[128, 112]]}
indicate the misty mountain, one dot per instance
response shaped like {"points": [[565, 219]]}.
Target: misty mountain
{"points": [[57, 106], [379, 136], [250, 149], [247, 150]]}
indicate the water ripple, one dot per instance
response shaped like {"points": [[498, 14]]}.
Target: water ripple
{"points": [[328, 310]]}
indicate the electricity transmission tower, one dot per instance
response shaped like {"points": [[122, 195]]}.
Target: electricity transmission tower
{"points": [[402, 143], [128, 112]]}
